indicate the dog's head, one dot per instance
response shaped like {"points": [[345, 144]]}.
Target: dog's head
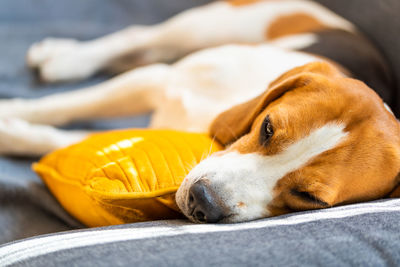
{"points": [[313, 140]]}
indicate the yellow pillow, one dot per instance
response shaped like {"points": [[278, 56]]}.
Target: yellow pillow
{"points": [[123, 176]]}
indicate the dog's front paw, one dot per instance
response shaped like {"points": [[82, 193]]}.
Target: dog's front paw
{"points": [[13, 136], [59, 60], [19, 137], [45, 50]]}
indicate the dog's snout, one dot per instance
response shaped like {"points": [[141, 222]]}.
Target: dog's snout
{"points": [[204, 204]]}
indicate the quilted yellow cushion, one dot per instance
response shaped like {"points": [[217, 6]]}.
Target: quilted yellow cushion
{"points": [[123, 176]]}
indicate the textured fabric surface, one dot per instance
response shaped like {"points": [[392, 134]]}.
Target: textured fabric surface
{"points": [[355, 235], [27, 209], [124, 176]]}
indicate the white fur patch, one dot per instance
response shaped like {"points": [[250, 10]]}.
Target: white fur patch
{"points": [[213, 80], [295, 42], [388, 108], [18, 137], [249, 179]]}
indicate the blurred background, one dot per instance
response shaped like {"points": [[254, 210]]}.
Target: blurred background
{"points": [[26, 207], [23, 22]]}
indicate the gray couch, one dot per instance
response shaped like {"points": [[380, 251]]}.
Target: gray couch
{"points": [[363, 234], [380, 21]]}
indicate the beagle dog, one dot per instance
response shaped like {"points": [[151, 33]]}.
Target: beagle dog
{"points": [[284, 85]]}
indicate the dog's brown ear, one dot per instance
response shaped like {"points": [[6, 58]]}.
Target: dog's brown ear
{"points": [[235, 122]]}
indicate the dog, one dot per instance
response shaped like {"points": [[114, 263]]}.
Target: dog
{"points": [[284, 85]]}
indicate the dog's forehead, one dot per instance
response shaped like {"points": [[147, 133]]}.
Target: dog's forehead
{"points": [[327, 99], [298, 113]]}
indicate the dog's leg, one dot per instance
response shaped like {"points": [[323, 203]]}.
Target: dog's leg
{"points": [[215, 24], [208, 26], [60, 60], [134, 92], [18, 137]]}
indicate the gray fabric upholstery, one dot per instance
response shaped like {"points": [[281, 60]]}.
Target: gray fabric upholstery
{"points": [[355, 235]]}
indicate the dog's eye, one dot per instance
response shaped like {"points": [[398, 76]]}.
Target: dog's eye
{"points": [[266, 131]]}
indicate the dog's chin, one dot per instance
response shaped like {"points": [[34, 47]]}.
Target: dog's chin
{"points": [[227, 220]]}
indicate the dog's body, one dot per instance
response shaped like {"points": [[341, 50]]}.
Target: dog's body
{"points": [[249, 46]]}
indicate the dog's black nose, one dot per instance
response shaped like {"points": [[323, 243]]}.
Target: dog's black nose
{"points": [[204, 204]]}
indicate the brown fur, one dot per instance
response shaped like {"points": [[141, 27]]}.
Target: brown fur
{"points": [[293, 24], [242, 2], [363, 167]]}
